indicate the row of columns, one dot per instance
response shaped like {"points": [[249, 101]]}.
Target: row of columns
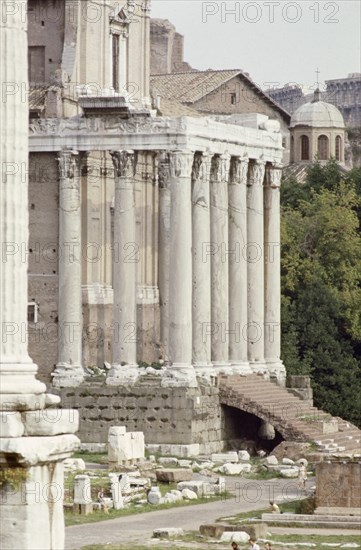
{"points": [[219, 266]]}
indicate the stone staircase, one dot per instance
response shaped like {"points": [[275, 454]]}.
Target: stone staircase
{"points": [[295, 419]]}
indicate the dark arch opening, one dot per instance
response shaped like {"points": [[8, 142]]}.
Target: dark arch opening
{"points": [[240, 431]]}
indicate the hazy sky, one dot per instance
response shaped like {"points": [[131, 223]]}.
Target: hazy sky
{"points": [[276, 41]]}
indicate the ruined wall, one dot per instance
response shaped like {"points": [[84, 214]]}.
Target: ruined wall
{"points": [[166, 49], [165, 415], [338, 485], [43, 260], [46, 25]]}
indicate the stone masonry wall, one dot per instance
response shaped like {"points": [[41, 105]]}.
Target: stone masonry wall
{"points": [[338, 485], [43, 261], [165, 415]]}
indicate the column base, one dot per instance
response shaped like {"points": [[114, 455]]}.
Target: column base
{"points": [[66, 375], [277, 371], [19, 378], [206, 373], [123, 375], [179, 375], [259, 367], [241, 367], [223, 367]]}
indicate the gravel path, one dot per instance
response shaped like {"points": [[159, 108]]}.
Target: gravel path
{"points": [[248, 495]]}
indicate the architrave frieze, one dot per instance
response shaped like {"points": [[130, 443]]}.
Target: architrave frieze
{"points": [[144, 133]]}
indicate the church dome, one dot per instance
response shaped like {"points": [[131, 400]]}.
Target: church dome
{"points": [[317, 114]]}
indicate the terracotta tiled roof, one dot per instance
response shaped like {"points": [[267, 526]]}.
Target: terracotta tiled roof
{"points": [[190, 87], [171, 107]]}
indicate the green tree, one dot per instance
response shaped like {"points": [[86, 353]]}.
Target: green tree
{"points": [[321, 285]]}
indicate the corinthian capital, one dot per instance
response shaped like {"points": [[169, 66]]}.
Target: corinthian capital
{"points": [[257, 172], [220, 168], [201, 166], [274, 175], [124, 163], [180, 164], [239, 170], [68, 164]]}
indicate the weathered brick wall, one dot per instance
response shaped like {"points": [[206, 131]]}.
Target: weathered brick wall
{"points": [[43, 260], [338, 485], [246, 101], [165, 415]]}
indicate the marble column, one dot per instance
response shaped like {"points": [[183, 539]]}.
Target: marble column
{"points": [[125, 259], [164, 250], [201, 270], [69, 370], [181, 371], [237, 265], [35, 436], [255, 267], [272, 266], [217, 253], [16, 367]]}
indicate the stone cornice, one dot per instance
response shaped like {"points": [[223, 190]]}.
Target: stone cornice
{"points": [[145, 133]]}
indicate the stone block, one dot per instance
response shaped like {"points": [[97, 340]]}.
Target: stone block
{"points": [[231, 469], [83, 509], [214, 530], [289, 472], [270, 460], [11, 424], [82, 489], [187, 494], [235, 536], [244, 456], [51, 422], [123, 447], [287, 461], [225, 457], [175, 475], [168, 460], [167, 532]]}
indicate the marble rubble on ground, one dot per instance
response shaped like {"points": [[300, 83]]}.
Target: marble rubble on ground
{"points": [[225, 457], [169, 475], [168, 532], [187, 494], [234, 469], [74, 465], [235, 536], [124, 447], [244, 456]]}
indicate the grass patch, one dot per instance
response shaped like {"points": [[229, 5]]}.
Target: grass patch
{"points": [[286, 507], [97, 515], [320, 542], [96, 458]]}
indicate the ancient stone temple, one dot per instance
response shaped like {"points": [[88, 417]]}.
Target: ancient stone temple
{"points": [[36, 436], [151, 238]]}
